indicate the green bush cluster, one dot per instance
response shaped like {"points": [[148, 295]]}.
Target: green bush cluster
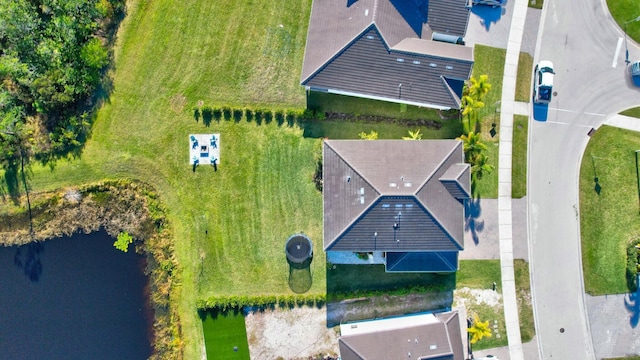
{"points": [[288, 116], [231, 302], [632, 265]]}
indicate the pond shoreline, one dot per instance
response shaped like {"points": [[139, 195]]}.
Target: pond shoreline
{"points": [[115, 206]]}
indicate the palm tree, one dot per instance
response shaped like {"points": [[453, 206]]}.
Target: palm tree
{"points": [[480, 166], [470, 109], [479, 329], [368, 136], [413, 135], [472, 146], [478, 88]]}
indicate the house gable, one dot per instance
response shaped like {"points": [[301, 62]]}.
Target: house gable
{"points": [[385, 195], [355, 48], [425, 336]]}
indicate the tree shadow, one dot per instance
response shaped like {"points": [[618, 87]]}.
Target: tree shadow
{"points": [[27, 258], [11, 183], [632, 304], [300, 277], [472, 212], [488, 14]]}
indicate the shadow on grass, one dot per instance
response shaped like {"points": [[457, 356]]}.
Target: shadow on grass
{"points": [[472, 212], [350, 281], [300, 277]]}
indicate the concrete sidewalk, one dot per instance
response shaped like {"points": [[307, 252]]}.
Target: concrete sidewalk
{"points": [[505, 217], [624, 122]]}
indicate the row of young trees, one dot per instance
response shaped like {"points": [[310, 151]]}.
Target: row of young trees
{"points": [[473, 96], [52, 57]]}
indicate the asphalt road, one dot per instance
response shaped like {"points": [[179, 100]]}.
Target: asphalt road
{"points": [[591, 84]]}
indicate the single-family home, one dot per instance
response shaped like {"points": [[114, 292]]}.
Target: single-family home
{"points": [[425, 337], [401, 200], [383, 49]]}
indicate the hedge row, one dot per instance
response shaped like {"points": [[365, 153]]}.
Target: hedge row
{"points": [[633, 265], [208, 113], [230, 302]]}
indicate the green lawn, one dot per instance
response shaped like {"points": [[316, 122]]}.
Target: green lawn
{"points": [[230, 226], [633, 112], [490, 61], [523, 79], [625, 11], [608, 220], [326, 102], [386, 130], [225, 336], [523, 295], [519, 158]]}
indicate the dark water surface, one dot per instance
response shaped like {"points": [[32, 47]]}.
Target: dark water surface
{"points": [[73, 298]]}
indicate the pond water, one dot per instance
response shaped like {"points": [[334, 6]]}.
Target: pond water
{"points": [[73, 298]]}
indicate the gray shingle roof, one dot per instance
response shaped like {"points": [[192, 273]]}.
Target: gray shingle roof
{"points": [[435, 341], [386, 195], [353, 48]]}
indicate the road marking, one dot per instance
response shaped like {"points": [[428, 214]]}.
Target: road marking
{"points": [[576, 112], [566, 123], [615, 57]]}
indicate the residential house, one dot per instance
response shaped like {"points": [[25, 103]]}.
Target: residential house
{"points": [[425, 337], [382, 49], [400, 200]]}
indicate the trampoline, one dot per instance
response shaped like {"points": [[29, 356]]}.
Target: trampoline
{"points": [[299, 248]]}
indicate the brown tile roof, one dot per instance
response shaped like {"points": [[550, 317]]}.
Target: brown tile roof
{"points": [[441, 340], [339, 56], [387, 195]]}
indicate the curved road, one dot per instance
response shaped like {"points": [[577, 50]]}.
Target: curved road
{"points": [[591, 83]]}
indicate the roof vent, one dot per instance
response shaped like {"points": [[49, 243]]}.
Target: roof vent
{"points": [[433, 347], [366, 12], [393, 185], [348, 178]]}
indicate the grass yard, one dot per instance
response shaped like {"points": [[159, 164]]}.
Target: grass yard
{"points": [[327, 102], [230, 226], [225, 336], [519, 158], [490, 61], [350, 129], [523, 296], [609, 220], [523, 79], [624, 11], [633, 112]]}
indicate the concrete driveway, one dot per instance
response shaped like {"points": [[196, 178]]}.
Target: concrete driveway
{"points": [[591, 84], [490, 26]]}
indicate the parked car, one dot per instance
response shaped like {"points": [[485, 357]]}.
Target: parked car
{"points": [[493, 3], [543, 82], [634, 70], [488, 357]]}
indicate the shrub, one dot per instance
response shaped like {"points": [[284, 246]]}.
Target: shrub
{"points": [[268, 115], [217, 113], [308, 114], [248, 113], [279, 115], [632, 265], [226, 113], [320, 115], [237, 114]]}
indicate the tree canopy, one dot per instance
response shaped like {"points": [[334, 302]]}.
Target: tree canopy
{"points": [[52, 56]]}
